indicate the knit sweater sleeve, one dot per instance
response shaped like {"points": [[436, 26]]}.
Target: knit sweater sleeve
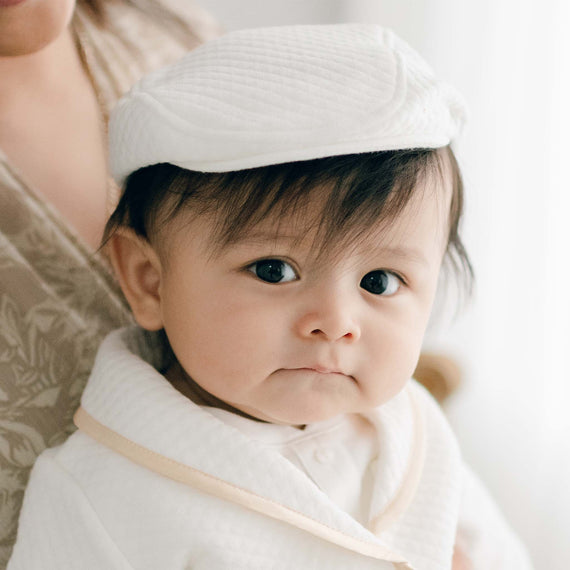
{"points": [[58, 527], [483, 534]]}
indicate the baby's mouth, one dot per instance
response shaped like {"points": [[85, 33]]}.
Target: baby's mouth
{"points": [[324, 370]]}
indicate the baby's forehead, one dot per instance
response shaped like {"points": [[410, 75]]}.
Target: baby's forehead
{"points": [[328, 206], [307, 230]]}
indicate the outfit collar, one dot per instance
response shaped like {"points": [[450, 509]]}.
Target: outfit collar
{"points": [[129, 406]]}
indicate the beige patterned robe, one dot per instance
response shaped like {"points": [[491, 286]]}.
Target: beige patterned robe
{"points": [[58, 299]]}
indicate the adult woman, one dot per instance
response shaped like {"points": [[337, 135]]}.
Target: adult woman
{"points": [[62, 68]]}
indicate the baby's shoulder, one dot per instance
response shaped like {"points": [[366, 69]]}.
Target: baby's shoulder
{"points": [[432, 419], [80, 459], [421, 397]]}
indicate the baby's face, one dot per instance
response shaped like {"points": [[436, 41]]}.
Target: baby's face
{"points": [[287, 337]]}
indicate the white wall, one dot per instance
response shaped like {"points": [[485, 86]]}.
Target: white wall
{"points": [[236, 14]]}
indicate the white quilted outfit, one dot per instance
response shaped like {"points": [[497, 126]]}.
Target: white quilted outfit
{"points": [[153, 481]]}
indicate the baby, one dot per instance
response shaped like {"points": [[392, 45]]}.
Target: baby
{"points": [[289, 198]]}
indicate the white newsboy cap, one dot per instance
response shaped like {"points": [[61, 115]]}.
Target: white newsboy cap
{"points": [[272, 95]]}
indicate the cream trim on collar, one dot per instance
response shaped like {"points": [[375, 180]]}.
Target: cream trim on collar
{"points": [[222, 489]]}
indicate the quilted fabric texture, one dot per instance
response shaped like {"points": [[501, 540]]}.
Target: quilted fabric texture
{"points": [[273, 95], [106, 511]]}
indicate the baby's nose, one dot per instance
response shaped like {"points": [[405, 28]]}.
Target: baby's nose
{"points": [[330, 319]]}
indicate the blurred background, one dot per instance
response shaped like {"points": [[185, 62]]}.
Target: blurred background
{"points": [[511, 61]]}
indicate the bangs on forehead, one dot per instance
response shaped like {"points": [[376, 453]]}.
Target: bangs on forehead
{"points": [[354, 193]]}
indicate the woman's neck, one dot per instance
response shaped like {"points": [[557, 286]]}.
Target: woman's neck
{"points": [[52, 132], [40, 71]]}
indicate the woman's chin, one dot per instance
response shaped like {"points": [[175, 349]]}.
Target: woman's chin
{"points": [[33, 25]]}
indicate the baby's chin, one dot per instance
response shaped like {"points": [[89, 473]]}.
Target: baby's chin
{"points": [[298, 414], [310, 406]]}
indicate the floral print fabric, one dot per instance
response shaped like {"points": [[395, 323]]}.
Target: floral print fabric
{"points": [[58, 298]]}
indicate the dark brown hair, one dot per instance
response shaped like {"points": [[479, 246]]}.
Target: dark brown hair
{"points": [[361, 191]]}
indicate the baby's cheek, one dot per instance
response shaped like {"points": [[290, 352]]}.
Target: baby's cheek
{"points": [[243, 344], [391, 362]]}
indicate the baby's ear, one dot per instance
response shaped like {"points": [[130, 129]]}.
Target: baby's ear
{"points": [[138, 269]]}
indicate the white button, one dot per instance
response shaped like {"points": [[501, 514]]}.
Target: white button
{"points": [[324, 455]]}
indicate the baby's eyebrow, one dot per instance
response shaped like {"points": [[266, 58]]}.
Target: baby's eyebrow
{"points": [[261, 237], [405, 253], [257, 237]]}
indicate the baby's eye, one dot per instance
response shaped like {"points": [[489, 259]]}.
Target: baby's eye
{"points": [[380, 282], [273, 271]]}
